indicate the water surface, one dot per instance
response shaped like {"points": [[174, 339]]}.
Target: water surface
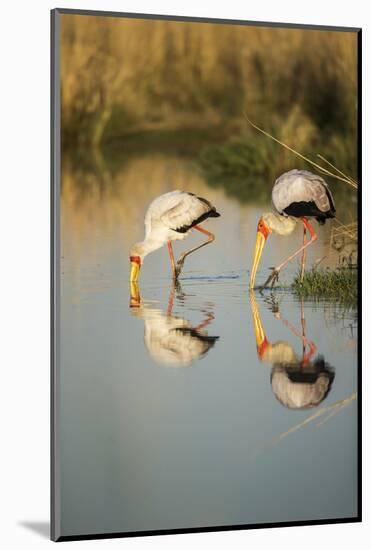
{"points": [[197, 405]]}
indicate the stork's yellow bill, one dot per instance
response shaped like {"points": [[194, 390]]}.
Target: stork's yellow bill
{"points": [[135, 265], [261, 238]]}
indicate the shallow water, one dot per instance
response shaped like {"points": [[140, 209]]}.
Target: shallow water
{"points": [[197, 405]]}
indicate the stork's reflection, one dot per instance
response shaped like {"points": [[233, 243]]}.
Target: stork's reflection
{"points": [[170, 339], [298, 381]]}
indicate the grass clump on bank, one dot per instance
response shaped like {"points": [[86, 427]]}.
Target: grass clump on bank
{"points": [[333, 284]]}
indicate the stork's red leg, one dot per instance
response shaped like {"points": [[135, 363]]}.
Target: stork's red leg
{"points": [[171, 300], [208, 233], [303, 256], [211, 238], [313, 237], [172, 261], [175, 288], [210, 317], [307, 356]]}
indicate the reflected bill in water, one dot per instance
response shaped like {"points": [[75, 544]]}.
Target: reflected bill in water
{"points": [[170, 339], [299, 381]]}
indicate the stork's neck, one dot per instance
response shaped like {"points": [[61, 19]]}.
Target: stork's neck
{"points": [[282, 225], [146, 247]]}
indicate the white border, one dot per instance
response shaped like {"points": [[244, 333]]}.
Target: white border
{"points": [[24, 131]]}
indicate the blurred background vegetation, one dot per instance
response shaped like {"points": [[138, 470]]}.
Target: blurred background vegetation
{"points": [[129, 85]]}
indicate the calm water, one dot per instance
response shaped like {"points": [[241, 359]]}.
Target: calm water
{"points": [[198, 405]]}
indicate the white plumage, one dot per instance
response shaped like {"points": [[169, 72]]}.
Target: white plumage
{"points": [[303, 188], [171, 214]]}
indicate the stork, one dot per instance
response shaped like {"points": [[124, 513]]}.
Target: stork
{"points": [[296, 195], [169, 339], [297, 382], [171, 217]]}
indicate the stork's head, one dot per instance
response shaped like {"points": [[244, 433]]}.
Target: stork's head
{"points": [[136, 260], [264, 229]]}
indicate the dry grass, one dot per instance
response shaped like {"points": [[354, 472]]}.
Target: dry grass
{"points": [[122, 75], [341, 232], [335, 173]]}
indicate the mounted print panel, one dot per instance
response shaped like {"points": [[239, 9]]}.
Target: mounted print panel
{"points": [[205, 211]]}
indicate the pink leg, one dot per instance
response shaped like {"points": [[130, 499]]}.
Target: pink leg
{"points": [[313, 237], [210, 317], [172, 261], [303, 257], [312, 347], [307, 356], [180, 262], [171, 301], [175, 288]]}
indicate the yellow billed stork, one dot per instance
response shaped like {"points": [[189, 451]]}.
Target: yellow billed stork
{"points": [[171, 217], [296, 195]]}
